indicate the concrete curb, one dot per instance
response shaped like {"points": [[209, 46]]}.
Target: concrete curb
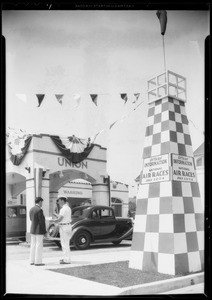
{"points": [[45, 244], [164, 285]]}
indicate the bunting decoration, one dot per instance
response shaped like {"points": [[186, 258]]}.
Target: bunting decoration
{"points": [[22, 97], [162, 16], [74, 149], [59, 98], [40, 98], [77, 99], [124, 97], [136, 97], [18, 143], [94, 98]]}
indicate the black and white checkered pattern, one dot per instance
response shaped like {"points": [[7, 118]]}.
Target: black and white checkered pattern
{"points": [[167, 129], [168, 234]]}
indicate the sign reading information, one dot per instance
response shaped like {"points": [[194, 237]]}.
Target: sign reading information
{"points": [[183, 168], [155, 169]]}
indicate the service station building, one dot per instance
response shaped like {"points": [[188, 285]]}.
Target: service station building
{"points": [[45, 172]]}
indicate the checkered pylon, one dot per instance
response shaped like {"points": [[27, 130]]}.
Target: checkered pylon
{"points": [[168, 235]]}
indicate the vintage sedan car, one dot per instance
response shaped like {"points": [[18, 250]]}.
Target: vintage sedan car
{"points": [[94, 224]]}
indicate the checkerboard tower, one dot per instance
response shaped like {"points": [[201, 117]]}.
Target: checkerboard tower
{"points": [[169, 228]]}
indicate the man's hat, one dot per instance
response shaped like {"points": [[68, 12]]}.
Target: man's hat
{"points": [[62, 197]]}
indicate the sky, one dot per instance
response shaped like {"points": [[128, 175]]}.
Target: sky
{"points": [[104, 52]]}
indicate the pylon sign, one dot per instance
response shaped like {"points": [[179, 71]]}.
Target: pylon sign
{"points": [[168, 234]]}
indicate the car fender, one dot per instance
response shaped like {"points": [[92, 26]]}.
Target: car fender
{"points": [[78, 229], [125, 235]]}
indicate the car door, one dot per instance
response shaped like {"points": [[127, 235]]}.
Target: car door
{"points": [[94, 223], [107, 223]]}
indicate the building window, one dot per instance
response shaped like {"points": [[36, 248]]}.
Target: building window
{"points": [[12, 212], [22, 211], [117, 206], [199, 162]]}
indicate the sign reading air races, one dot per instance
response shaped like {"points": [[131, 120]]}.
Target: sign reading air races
{"points": [[183, 168], [155, 169]]}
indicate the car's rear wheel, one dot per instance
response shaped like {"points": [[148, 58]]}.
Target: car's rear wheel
{"points": [[116, 242], [82, 240]]}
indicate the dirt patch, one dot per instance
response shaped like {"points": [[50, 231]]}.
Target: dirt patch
{"points": [[117, 274]]}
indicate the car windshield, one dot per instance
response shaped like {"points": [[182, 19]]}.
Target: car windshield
{"points": [[80, 212]]}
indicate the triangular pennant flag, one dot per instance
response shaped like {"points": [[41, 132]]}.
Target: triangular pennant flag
{"points": [[162, 16], [112, 124], [95, 136], [59, 98], [22, 97], [77, 98], [136, 97], [124, 97], [94, 98], [40, 98]]}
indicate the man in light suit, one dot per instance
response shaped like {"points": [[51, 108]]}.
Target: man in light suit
{"points": [[37, 231]]}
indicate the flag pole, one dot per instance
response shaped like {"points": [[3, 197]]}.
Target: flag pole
{"points": [[164, 56]]}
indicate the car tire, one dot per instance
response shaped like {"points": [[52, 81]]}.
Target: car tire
{"points": [[53, 230], [82, 240], [116, 242]]}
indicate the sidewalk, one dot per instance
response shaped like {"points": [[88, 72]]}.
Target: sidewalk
{"points": [[22, 278]]}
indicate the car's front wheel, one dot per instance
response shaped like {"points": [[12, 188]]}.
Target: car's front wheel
{"points": [[53, 230], [82, 240]]}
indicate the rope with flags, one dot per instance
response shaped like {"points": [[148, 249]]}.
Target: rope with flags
{"points": [[73, 148], [77, 98], [115, 122]]}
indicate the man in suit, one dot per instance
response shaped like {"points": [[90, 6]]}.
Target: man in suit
{"points": [[37, 231]]}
